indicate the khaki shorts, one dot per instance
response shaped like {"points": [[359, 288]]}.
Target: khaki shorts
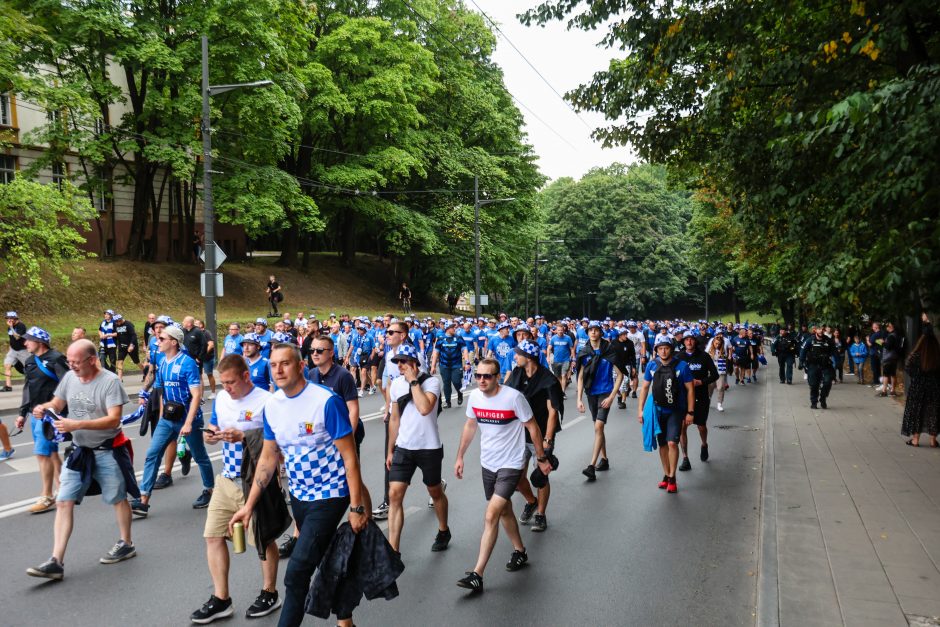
{"points": [[227, 498]]}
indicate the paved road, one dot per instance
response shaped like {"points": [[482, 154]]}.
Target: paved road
{"points": [[617, 552]]}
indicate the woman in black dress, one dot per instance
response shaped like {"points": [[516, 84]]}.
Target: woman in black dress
{"points": [[922, 407]]}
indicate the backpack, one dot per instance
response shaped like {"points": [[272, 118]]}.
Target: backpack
{"points": [[404, 400], [666, 385]]}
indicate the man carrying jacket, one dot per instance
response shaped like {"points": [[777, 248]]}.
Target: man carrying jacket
{"points": [[238, 408], [597, 363]]}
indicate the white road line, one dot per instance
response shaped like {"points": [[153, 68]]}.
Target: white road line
{"points": [[11, 509]]}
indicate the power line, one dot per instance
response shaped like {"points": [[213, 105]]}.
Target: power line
{"points": [[534, 69], [463, 54]]}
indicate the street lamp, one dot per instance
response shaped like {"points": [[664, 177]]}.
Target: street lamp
{"points": [[538, 309], [208, 210], [477, 203]]}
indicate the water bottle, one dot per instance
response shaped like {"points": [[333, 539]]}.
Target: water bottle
{"points": [[181, 447]]}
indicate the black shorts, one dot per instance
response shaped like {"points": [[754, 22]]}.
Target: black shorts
{"points": [[744, 363], [502, 483], [406, 461], [671, 427], [889, 368], [702, 406], [123, 354], [598, 413]]}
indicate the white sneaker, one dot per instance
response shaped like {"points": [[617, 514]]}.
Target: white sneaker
{"points": [[211, 396], [372, 390], [360, 394], [720, 408]]}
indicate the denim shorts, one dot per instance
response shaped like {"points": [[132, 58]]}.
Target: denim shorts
{"points": [[107, 474], [41, 446]]}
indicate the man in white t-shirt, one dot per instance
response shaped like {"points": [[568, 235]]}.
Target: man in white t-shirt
{"points": [[414, 442], [501, 413], [239, 407]]}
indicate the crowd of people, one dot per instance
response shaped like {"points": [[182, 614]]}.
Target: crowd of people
{"points": [[286, 408]]}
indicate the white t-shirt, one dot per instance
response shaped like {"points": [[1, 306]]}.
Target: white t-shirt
{"points": [[417, 432], [500, 417], [391, 368], [639, 341], [244, 414]]}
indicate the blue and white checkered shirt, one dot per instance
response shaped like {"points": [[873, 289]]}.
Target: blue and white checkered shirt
{"points": [[305, 427], [243, 414]]}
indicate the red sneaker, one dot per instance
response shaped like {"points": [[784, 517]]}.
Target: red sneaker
{"points": [[664, 483], [672, 488]]}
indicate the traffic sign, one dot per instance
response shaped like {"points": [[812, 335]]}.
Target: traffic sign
{"points": [[218, 284], [219, 256]]}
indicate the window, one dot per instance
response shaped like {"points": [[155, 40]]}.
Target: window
{"points": [[100, 127], [7, 168], [59, 174], [6, 110]]}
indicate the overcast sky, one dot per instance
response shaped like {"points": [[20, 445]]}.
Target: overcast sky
{"points": [[566, 59]]}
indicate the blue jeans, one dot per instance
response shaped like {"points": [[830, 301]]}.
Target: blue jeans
{"points": [[451, 376], [164, 434], [317, 521]]}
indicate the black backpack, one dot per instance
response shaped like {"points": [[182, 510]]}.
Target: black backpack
{"points": [[666, 386], [404, 400]]}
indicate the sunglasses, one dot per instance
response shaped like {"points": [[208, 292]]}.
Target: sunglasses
{"points": [[394, 332], [485, 376], [319, 351]]}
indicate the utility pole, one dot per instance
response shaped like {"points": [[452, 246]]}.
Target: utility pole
{"points": [[208, 209], [706, 300], [477, 203]]}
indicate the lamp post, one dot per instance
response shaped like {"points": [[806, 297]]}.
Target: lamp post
{"points": [[538, 310], [477, 203], [208, 210]]}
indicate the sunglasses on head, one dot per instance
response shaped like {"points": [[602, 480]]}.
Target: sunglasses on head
{"points": [[484, 376]]}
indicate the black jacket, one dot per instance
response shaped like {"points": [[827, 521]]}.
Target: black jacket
{"points": [[703, 369], [271, 516], [785, 347], [126, 334], [543, 380], [40, 387], [610, 351], [82, 460], [355, 564]]}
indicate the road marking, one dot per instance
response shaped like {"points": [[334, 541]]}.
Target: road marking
{"points": [[19, 507]]}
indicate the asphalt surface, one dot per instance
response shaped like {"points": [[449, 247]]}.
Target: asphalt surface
{"points": [[617, 552]]}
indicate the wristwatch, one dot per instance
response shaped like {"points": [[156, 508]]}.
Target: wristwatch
{"points": [[542, 459], [690, 413], [359, 509], [415, 382]]}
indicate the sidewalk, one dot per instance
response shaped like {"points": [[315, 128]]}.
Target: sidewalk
{"points": [[850, 516]]}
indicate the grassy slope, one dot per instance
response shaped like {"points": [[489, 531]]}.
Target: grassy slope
{"points": [[136, 289]]}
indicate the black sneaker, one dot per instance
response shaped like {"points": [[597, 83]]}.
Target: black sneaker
{"points": [[704, 455], [634, 394], [163, 481], [381, 512], [822, 403], [527, 511], [447, 405], [186, 462], [517, 560], [266, 603], [471, 582], [589, 473], [212, 609], [119, 552], [7, 388], [602, 465], [287, 547], [621, 405], [539, 523], [139, 508], [202, 501], [685, 465], [441, 540], [813, 406], [460, 398], [50, 569]]}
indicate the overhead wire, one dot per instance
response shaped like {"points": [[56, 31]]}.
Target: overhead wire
{"points": [[531, 65]]}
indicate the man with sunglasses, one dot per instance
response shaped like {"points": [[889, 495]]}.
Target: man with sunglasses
{"points": [[395, 336], [45, 367], [501, 414], [181, 415]]}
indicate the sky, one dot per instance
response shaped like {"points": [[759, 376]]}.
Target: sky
{"points": [[566, 58]]}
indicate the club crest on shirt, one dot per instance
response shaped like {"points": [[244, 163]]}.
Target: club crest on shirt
{"points": [[245, 415], [305, 428]]}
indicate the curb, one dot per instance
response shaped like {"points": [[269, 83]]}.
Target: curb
{"points": [[768, 596]]}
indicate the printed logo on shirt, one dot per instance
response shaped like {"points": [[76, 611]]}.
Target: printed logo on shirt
{"points": [[245, 415], [305, 428], [494, 416]]}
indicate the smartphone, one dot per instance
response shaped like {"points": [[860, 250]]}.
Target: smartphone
{"points": [[208, 430]]}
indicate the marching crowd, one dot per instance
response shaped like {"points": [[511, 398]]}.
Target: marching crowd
{"points": [[286, 409]]}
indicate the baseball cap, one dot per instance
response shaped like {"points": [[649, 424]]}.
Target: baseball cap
{"points": [[663, 341], [164, 320], [528, 349], [38, 335], [595, 324], [109, 311], [118, 316], [502, 325], [407, 351], [12, 314], [261, 321], [252, 338], [174, 332]]}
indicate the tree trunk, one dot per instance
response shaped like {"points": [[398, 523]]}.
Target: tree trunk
{"points": [[735, 305], [306, 262], [143, 190], [289, 249]]}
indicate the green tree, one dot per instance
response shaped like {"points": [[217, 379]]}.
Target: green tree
{"points": [[39, 230]]}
